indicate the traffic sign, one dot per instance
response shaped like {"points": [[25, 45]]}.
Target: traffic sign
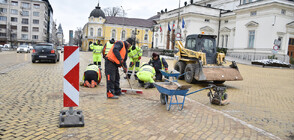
{"points": [[276, 47]]}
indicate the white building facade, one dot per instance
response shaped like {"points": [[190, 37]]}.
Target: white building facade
{"points": [[247, 28], [26, 22]]}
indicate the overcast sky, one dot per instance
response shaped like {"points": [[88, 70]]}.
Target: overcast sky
{"points": [[74, 13]]}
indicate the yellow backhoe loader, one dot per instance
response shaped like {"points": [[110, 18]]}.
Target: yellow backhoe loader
{"points": [[200, 61]]}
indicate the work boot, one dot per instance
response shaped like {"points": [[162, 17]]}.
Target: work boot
{"points": [[136, 77], [111, 96], [93, 84], [87, 84], [128, 77], [149, 85]]}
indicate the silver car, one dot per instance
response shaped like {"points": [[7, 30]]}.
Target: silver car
{"points": [[23, 48]]}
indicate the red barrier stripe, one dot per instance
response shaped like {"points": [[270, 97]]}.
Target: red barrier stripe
{"points": [[67, 102], [73, 77], [68, 50]]}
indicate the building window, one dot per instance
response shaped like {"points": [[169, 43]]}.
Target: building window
{"points": [[35, 37], [25, 5], [2, 26], [14, 3], [37, 6], [99, 32], [36, 14], [253, 13], [14, 11], [91, 32], [283, 12], [2, 34], [13, 27], [123, 35], [24, 36], [251, 38], [14, 36], [35, 29], [146, 30], [3, 10], [226, 38], [207, 20], [226, 21], [3, 18], [36, 21], [25, 21], [24, 29], [25, 13], [113, 33], [146, 37], [3, 1]]}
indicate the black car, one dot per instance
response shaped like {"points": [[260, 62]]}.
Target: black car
{"points": [[45, 51]]}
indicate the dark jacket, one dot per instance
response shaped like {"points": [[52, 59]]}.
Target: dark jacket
{"points": [[117, 47], [157, 64]]}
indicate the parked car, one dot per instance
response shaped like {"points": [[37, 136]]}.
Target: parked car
{"points": [[45, 51], [59, 47], [62, 49], [31, 47], [23, 48]]}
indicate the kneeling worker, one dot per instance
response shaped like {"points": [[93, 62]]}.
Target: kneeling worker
{"points": [[92, 76], [145, 76], [159, 64]]}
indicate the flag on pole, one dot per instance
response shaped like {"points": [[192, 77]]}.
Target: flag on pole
{"points": [[169, 28], [183, 23], [160, 28], [173, 25]]}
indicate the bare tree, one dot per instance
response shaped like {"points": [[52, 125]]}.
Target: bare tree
{"points": [[78, 37], [114, 12]]}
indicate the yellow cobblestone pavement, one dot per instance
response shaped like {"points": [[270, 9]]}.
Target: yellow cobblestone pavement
{"points": [[31, 98]]}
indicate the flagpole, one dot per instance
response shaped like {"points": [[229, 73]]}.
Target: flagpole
{"points": [[179, 15]]}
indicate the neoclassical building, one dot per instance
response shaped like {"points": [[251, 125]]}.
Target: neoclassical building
{"points": [[104, 28], [247, 28]]}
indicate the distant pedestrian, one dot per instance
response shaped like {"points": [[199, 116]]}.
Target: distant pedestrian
{"points": [[116, 57], [158, 64]]}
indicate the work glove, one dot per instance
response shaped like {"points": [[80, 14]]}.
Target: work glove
{"points": [[134, 47], [139, 58], [125, 70], [132, 64], [166, 69], [121, 62]]}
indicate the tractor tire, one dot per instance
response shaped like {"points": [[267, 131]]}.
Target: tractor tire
{"points": [[190, 71], [180, 67]]}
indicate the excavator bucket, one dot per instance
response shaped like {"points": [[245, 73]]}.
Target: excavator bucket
{"points": [[218, 73]]}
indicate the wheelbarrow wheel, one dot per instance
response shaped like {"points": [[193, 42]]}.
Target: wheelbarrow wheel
{"points": [[162, 98]]}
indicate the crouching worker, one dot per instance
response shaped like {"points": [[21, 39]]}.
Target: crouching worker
{"points": [[159, 64], [145, 76], [92, 76]]}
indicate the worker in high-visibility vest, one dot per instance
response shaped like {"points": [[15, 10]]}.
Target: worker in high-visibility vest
{"points": [[145, 76], [107, 47], [116, 57], [134, 54], [158, 64], [92, 76], [97, 51]]}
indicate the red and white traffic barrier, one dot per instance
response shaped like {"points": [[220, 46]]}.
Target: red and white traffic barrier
{"points": [[71, 76], [71, 66]]}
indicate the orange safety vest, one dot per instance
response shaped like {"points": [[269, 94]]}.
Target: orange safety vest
{"points": [[111, 57]]}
